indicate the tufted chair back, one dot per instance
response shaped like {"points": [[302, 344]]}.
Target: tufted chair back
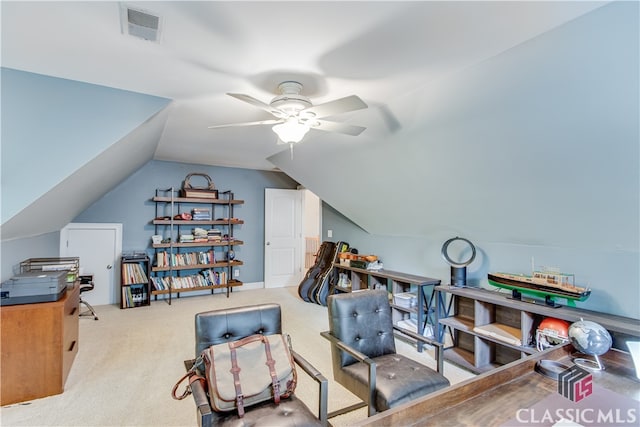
{"points": [[364, 357], [231, 324], [363, 324], [220, 326]]}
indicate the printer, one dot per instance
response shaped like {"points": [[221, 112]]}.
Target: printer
{"points": [[34, 287]]}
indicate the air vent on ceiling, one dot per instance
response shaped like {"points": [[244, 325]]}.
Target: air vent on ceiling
{"points": [[139, 23]]}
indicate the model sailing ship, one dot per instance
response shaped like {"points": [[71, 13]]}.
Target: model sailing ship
{"points": [[546, 283]]}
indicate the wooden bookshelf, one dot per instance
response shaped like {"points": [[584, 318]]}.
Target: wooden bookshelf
{"points": [[167, 223], [461, 310], [135, 290]]}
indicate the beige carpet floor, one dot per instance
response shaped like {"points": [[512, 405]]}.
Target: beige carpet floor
{"points": [[129, 360]]}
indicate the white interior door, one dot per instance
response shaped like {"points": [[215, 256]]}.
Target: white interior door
{"points": [[99, 247], [283, 259]]}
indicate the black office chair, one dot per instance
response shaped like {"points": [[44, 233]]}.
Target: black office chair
{"points": [[364, 355], [86, 285], [225, 325]]}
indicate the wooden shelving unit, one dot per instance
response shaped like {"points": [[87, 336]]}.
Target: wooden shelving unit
{"points": [[174, 277], [460, 311], [422, 312], [135, 285]]}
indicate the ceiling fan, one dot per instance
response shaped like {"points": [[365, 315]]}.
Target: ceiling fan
{"points": [[296, 115]]}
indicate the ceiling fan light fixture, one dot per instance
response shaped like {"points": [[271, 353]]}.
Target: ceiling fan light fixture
{"points": [[291, 131], [290, 100], [295, 114], [290, 104]]}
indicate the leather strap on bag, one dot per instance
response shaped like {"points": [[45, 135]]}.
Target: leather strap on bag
{"points": [[235, 370], [193, 376], [272, 370]]}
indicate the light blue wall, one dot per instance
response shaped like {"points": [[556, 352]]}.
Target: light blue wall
{"points": [[532, 154], [13, 252], [51, 126], [130, 204], [612, 275]]}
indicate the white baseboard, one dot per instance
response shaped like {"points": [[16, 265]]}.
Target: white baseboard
{"points": [[249, 286]]}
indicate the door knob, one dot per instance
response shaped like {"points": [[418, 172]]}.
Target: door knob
{"points": [[268, 243], [109, 267]]}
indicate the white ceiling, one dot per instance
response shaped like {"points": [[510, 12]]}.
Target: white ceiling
{"points": [[380, 51]]}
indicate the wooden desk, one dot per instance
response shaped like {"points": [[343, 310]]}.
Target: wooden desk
{"points": [[493, 398], [39, 344]]}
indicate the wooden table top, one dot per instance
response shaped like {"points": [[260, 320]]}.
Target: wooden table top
{"points": [[494, 398]]}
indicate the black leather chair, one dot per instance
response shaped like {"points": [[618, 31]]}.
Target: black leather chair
{"points": [[220, 326], [364, 355]]}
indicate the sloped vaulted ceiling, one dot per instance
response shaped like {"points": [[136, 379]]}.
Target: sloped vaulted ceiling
{"points": [[378, 50], [536, 145], [466, 100]]}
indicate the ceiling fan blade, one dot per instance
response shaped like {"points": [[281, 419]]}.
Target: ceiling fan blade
{"points": [[257, 103], [262, 122], [342, 105], [328, 126]]}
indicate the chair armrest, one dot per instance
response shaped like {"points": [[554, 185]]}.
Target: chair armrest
{"points": [[361, 357], [307, 367], [205, 416], [202, 404], [438, 346], [323, 385]]}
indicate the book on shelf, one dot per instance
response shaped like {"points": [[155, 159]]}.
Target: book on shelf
{"points": [[134, 273], [133, 296], [160, 283], [201, 214], [215, 277], [167, 259], [205, 278], [504, 333]]}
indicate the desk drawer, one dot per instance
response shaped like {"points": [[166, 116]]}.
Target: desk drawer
{"points": [[71, 337]]}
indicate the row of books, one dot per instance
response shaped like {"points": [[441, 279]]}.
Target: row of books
{"points": [[133, 296], [200, 214], [204, 278], [201, 235], [133, 273], [191, 238], [166, 259]]}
